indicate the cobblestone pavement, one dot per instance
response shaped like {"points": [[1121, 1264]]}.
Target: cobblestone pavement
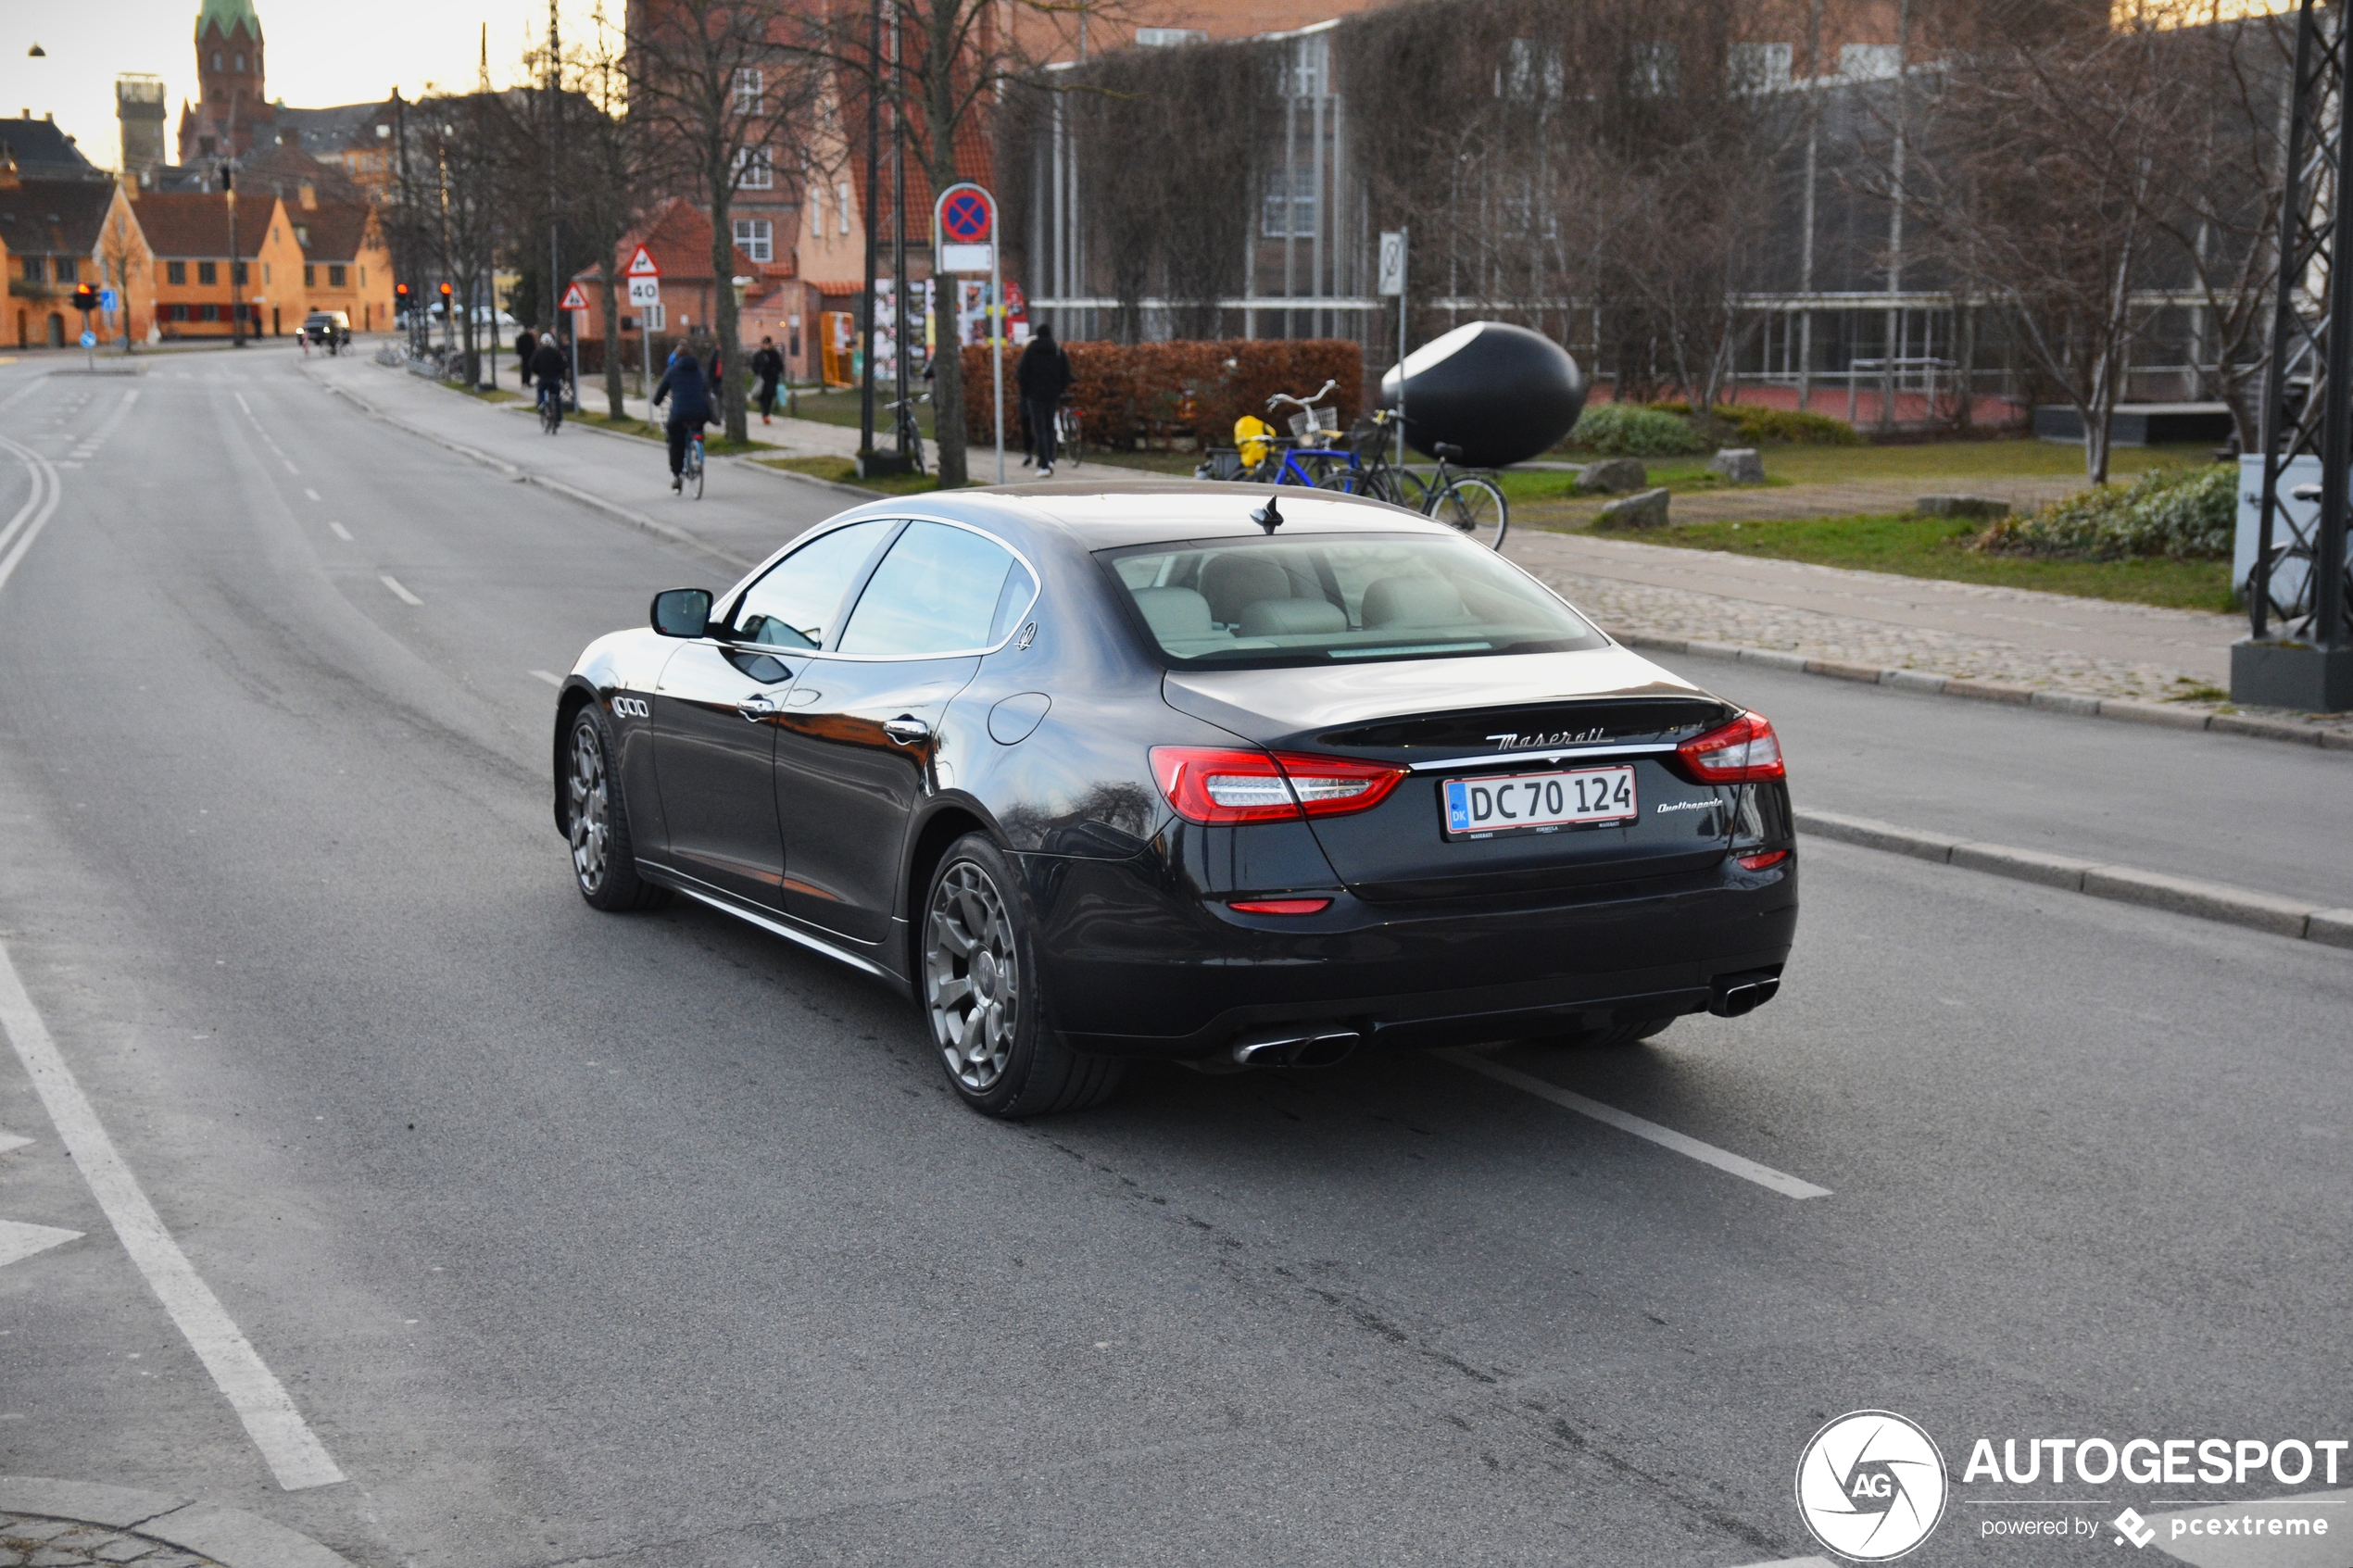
{"points": [[27, 1541], [1861, 497], [2051, 642]]}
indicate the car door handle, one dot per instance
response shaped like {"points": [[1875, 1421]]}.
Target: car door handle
{"points": [[758, 705], [906, 729]]}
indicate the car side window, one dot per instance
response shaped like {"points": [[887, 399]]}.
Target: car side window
{"points": [[793, 605], [940, 590]]}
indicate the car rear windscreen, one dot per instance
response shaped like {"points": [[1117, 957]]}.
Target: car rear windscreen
{"points": [[1329, 599]]}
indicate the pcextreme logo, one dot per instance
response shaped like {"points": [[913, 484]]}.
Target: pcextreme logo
{"points": [[1870, 1486]]}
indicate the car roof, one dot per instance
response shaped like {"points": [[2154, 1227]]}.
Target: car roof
{"points": [[1106, 514]]}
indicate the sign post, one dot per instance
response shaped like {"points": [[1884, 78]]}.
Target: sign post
{"points": [[1393, 280], [645, 290], [963, 225]]}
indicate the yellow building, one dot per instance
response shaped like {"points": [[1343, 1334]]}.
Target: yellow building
{"points": [[345, 264], [199, 281]]}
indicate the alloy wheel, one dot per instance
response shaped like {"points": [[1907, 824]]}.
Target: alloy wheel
{"points": [[972, 976], [590, 807]]}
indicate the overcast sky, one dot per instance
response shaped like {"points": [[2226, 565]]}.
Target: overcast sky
{"points": [[318, 53]]}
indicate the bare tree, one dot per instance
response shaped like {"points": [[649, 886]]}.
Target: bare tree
{"points": [[446, 203], [722, 89]]}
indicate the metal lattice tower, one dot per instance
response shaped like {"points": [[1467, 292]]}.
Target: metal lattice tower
{"points": [[2301, 653]]}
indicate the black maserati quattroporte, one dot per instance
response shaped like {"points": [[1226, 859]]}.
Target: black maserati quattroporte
{"points": [[1194, 772]]}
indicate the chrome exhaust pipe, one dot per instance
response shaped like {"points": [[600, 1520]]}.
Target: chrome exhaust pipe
{"points": [[1738, 994], [1308, 1046]]}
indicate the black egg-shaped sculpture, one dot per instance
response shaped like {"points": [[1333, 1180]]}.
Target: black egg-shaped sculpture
{"points": [[1501, 393]]}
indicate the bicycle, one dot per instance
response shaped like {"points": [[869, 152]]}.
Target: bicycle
{"points": [[1066, 431], [1321, 462], [1470, 503], [692, 472], [911, 434], [551, 407]]}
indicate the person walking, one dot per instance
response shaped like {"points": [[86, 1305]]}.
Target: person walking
{"points": [[525, 344], [1042, 377], [689, 408], [768, 366]]}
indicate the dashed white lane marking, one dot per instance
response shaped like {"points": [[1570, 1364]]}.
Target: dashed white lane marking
{"points": [[549, 676], [341, 532], [19, 1240], [403, 595], [290, 467], [292, 1450], [308, 491], [10, 1140], [1626, 1122]]}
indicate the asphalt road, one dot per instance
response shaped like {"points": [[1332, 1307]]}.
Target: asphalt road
{"points": [[651, 1240]]}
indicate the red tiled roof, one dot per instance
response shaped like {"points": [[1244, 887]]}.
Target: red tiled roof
{"points": [[678, 238], [336, 229], [973, 162], [188, 223]]}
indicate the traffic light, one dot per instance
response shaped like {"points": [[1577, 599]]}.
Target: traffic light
{"points": [[85, 299], [400, 296]]}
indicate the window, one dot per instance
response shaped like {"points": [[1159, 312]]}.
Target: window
{"points": [[755, 171], [1310, 66], [1291, 203], [793, 605], [1169, 37], [207, 273], [67, 268], [1760, 67], [32, 270], [215, 59], [265, 271], [1653, 72], [241, 62], [756, 238], [1530, 71], [334, 276], [1266, 602], [178, 312], [176, 271], [749, 97], [207, 312], [310, 276], [940, 590], [1869, 62], [841, 196], [302, 235], [237, 273]]}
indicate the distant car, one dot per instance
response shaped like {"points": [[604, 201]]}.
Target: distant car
{"points": [[332, 328], [1185, 771]]}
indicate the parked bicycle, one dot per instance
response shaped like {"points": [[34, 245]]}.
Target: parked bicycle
{"points": [[1471, 502], [1066, 431], [911, 434]]}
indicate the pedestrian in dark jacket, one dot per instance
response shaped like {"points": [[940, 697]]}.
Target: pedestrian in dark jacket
{"points": [[690, 407], [524, 344], [1042, 377], [547, 366], [768, 366]]}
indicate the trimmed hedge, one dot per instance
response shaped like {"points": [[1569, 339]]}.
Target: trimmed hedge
{"points": [[1629, 430], [2181, 514], [1129, 395], [1759, 424]]}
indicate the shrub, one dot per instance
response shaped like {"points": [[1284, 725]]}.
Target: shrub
{"points": [[1141, 392], [1629, 430], [2181, 514], [1757, 425]]}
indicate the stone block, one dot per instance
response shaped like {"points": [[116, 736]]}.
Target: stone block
{"points": [[1645, 509], [1613, 476], [1739, 464], [1961, 506]]}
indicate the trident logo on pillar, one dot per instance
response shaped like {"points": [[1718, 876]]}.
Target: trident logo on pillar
{"points": [[1871, 1485]]}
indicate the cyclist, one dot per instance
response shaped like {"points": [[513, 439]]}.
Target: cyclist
{"points": [[689, 410], [1043, 376], [546, 366]]}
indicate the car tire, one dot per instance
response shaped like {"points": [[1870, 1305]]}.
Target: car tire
{"points": [[604, 861], [982, 992]]}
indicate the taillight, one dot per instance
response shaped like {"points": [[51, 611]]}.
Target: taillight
{"points": [[1741, 752], [1760, 863], [1217, 785], [1281, 905]]}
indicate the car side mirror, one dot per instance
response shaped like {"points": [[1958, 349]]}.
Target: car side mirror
{"points": [[681, 612]]}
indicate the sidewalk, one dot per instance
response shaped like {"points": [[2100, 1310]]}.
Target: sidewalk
{"points": [[1860, 498]]}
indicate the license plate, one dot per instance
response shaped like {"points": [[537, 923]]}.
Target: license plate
{"points": [[1482, 807]]}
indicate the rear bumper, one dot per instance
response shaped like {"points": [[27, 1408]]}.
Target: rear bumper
{"points": [[1136, 968]]}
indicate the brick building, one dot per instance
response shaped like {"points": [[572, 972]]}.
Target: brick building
{"points": [[200, 275]]}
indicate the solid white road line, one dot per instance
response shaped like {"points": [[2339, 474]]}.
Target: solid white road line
{"points": [[19, 1240], [1626, 1122], [308, 491], [35, 514], [549, 676], [293, 1452], [403, 595], [341, 532]]}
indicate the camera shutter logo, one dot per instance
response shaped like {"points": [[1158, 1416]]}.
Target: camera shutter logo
{"points": [[1871, 1485]]}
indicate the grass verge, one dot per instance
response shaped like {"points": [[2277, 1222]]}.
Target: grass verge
{"points": [[713, 445], [1929, 547], [844, 470]]}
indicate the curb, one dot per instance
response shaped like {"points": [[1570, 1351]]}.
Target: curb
{"points": [[613, 509], [2126, 884], [228, 1536], [2163, 715]]}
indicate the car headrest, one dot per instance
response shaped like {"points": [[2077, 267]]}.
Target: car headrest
{"points": [[1274, 618], [1237, 580], [1176, 615], [1412, 601]]}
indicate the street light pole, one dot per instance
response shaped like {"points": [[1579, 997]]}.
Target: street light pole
{"points": [[236, 299]]}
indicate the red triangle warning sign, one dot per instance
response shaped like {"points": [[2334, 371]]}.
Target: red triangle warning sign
{"points": [[575, 298], [641, 265]]}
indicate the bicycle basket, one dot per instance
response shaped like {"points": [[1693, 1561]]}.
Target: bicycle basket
{"points": [[1315, 421], [1368, 437]]}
